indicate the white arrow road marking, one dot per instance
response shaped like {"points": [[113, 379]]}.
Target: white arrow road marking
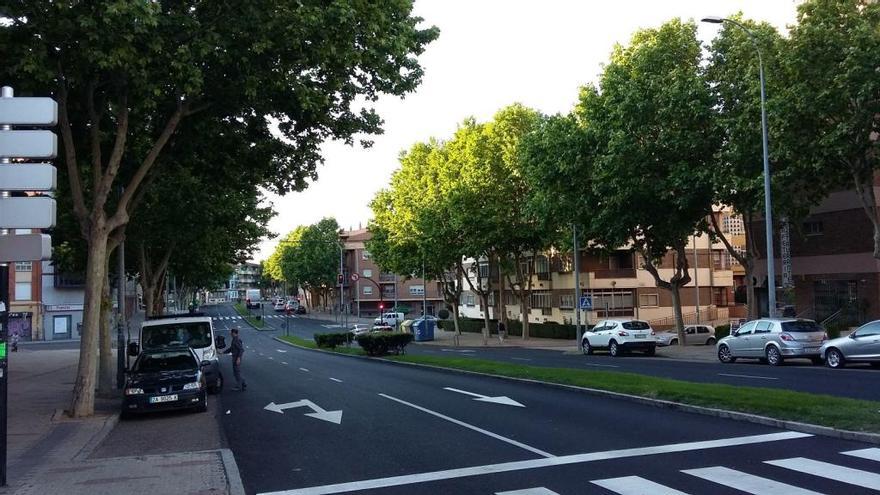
{"points": [[283, 362], [304, 369], [281, 350], [485, 398], [319, 412]]}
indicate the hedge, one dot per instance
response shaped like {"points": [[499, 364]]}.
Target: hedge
{"points": [[514, 328], [332, 340], [381, 343]]}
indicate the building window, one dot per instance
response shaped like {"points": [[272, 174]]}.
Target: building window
{"points": [[719, 296], [22, 291], [510, 298], [23, 266], [468, 299], [649, 300], [566, 301], [564, 263], [733, 225], [484, 270], [525, 267], [718, 260], [540, 299], [368, 273], [542, 265], [813, 228], [365, 255], [416, 290], [368, 291]]}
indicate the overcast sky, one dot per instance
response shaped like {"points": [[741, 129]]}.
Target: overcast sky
{"points": [[491, 53]]}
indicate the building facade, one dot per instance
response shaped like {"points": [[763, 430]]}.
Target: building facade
{"points": [[63, 296], [25, 295]]}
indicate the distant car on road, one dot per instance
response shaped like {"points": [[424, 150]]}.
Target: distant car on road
{"points": [[773, 340], [360, 329], [279, 306], [389, 318], [694, 334], [253, 299], [168, 378], [863, 345], [619, 336]]}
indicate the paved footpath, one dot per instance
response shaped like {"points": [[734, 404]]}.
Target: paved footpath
{"points": [[49, 453]]}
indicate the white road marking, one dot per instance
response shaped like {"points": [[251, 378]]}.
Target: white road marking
{"points": [[337, 380], [634, 485], [283, 362], [864, 479], [471, 427], [463, 351], [520, 359], [529, 491], [304, 369], [506, 467], [749, 376], [746, 482], [270, 357], [281, 350], [602, 365], [872, 454], [485, 398]]}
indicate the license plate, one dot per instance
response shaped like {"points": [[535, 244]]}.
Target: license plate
{"points": [[639, 336], [163, 398]]}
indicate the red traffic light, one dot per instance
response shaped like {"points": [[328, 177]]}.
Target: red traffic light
{"points": [[339, 279], [381, 305]]}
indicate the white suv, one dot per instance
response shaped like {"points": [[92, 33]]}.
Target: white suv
{"points": [[619, 336]]}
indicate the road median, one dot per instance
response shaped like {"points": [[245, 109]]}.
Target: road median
{"points": [[258, 324]]}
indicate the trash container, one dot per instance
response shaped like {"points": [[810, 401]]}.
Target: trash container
{"points": [[424, 330]]}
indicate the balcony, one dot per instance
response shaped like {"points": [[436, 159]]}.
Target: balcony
{"points": [[617, 273]]}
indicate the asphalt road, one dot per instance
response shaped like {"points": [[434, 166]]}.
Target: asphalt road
{"points": [[314, 423], [858, 382]]}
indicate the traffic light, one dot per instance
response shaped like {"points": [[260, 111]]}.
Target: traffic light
{"points": [[339, 279], [381, 306]]}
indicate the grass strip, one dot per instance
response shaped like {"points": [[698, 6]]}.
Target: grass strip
{"points": [[310, 344], [246, 314], [824, 410]]}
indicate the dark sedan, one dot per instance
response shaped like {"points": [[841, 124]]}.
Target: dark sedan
{"points": [[162, 379]]}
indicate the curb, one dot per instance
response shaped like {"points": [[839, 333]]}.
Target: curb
{"points": [[233, 477], [812, 429]]}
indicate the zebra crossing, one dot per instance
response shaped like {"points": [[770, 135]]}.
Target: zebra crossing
{"points": [[229, 318], [745, 482]]}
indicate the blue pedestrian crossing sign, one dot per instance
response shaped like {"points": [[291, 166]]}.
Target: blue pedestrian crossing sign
{"points": [[586, 302]]}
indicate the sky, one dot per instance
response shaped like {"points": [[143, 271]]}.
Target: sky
{"points": [[490, 54]]}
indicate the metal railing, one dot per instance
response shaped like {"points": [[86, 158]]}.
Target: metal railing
{"points": [[707, 314]]}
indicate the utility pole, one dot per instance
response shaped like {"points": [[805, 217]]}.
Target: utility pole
{"points": [[424, 295], [577, 284], [120, 323], [696, 279]]}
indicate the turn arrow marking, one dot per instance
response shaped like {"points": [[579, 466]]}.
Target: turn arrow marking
{"points": [[319, 412], [507, 401]]}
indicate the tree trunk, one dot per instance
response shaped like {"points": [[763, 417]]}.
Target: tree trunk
{"points": [[524, 309], [106, 366], [149, 303], [751, 300], [484, 298], [676, 309], [455, 319], [83, 401]]}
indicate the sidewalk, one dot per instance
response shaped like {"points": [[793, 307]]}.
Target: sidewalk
{"points": [[50, 453]]}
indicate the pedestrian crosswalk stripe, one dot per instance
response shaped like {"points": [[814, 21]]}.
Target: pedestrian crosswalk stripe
{"points": [[529, 491], [634, 485], [745, 482], [834, 472], [872, 454]]}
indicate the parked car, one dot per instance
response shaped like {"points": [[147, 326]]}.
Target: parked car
{"points": [[168, 378], [619, 336], [291, 306], [279, 306], [391, 319], [863, 345], [773, 340], [694, 334], [300, 310], [359, 329]]}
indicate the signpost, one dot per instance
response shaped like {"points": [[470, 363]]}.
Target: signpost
{"points": [[586, 303], [26, 209]]}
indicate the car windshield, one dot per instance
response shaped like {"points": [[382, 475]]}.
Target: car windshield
{"points": [[165, 361], [801, 326], [192, 334], [636, 325]]}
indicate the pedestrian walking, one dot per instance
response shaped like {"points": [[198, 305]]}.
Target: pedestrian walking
{"points": [[502, 331], [236, 348]]}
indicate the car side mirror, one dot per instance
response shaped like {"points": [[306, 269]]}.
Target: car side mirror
{"points": [[134, 349], [853, 336], [206, 363], [220, 341]]}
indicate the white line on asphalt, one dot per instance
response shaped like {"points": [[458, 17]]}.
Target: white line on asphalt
{"points": [[472, 427], [280, 350], [270, 357], [872, 454], [283, 362], [337, 380], [520, 359], [746, 482], [538, 463], [634, 485], [303, 369], [834, 472], [529, 491], [758, 377], [602, 365]]}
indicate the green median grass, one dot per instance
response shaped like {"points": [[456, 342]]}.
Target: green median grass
{"points": [[310, 344], [824, 410], [246, 314]]}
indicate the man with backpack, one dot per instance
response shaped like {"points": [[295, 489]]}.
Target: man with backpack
{"points": [[236, 348]]}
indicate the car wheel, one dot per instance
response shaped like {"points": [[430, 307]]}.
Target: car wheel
{"points": [[650, 351], [834, 358], [774, 357], [673, 342], [613, 349], [217, 386], [586, 347], [710, 341], [724, 354]]}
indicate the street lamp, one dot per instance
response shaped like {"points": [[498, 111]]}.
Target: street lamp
{"points": [[768, 207]]}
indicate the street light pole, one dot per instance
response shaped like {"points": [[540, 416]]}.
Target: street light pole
{"points": [[768, 205]]}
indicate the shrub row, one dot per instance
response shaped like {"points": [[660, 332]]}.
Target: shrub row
{"points": [[381, 343], [514, 328], [332, 340], [722, 331]]}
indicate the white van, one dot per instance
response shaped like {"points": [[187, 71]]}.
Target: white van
{"points": [[252, 299], [195, 332], [392, 319]]}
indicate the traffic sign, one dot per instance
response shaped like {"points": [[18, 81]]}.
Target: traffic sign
{"points": [[25, 247], [27, 177], [355, 277], [36, 212], [586, 302], [28, 111], [28, 144]]}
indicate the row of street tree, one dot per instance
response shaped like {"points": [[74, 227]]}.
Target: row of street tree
{"points": [[665, 134], [173, 115]]}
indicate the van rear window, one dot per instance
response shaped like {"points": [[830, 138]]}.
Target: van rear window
{"points": [[801, 326], [636, 325]]}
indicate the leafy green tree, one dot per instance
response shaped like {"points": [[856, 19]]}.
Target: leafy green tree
{"points": [[308, 257], [128, 75], [652, 117]]}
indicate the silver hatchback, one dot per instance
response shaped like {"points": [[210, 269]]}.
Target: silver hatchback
{"points": [[773, 340], [863, 345]]}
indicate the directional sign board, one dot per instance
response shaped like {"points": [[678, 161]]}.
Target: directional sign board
{"points": [[28, 111], [586, 303], [27, 177], [28, 144], [25, 247], [27, 213]]}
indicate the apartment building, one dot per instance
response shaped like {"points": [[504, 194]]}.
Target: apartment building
{"points": [[63, 296], [25, 307], [375, 286]]}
